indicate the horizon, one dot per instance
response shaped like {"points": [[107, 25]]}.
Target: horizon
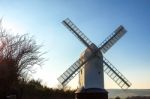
{"points": [[130, 55]]}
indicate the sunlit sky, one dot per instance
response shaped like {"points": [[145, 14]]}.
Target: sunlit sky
{"points": [[97, 19]]}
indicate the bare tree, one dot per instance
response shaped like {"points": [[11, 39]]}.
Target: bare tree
{"points": [[18, 55]]}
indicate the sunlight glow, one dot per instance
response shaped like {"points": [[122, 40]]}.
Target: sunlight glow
{"points": [[12, 27]]}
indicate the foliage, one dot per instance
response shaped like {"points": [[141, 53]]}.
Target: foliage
{"points": [[18, 55], [117, 97], [33, 89]]}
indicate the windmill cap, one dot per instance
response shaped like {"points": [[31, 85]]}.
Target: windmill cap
{"points": [[93, 47]]}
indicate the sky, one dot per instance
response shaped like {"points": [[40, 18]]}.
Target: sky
{"points": [[97, 19]]}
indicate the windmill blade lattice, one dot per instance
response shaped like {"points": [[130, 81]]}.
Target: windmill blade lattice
{"points": [[112, 39], [71, 72], [77, 32], [115, 75]]}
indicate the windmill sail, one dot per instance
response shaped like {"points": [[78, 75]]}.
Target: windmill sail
{"points": [[71, 72], [77, 32], [112, 39], [115, 75]]}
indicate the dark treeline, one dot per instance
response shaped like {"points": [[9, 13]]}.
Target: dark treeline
{"points": [[33, 89]]}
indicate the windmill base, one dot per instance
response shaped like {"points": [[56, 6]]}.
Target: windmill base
{"points": [[91, 93]]}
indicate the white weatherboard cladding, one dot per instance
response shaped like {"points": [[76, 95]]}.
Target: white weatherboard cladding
{"points": [[91, 75]]}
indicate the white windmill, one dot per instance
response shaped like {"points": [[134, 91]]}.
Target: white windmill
{"points": [[92, 64]]}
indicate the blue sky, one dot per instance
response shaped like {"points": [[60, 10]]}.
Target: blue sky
{"points": [[97, 19]]}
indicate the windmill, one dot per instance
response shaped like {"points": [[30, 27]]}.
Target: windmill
{"points": [[92, 64]]}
